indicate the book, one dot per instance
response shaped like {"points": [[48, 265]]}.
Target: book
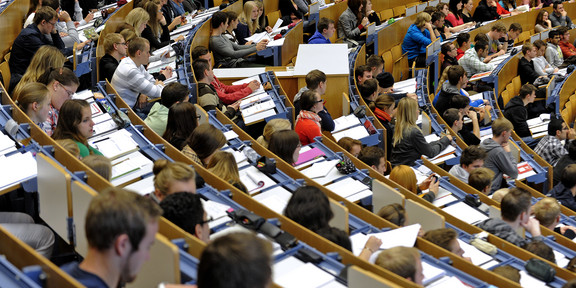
{"points": [[309, 155]]}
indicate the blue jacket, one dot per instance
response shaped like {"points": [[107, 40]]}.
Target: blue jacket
{"points": [[415, 41], [564, 196], [27, 43], [318, 38]]}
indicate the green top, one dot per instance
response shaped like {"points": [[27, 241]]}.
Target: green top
{"points": [[85, 151]]}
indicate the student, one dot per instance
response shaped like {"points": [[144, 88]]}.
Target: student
{"points": [[371, 14], [244, 258], [173, 13], [22, 226], [467, 7], [447, 239], [540, 249], [563, 162], [481, 180], [316, 81], [547, 212], [471, 159], [404, 176], [553, 52], [203, 143], [515, 110], [497, 31], [374, 157], [100, 164], [565, 191], [528, 74], [157, 32], [568, 50], [180, 123], [70, 146], [450, 52], [286, 145], [121, 227], [369, 91], [115, 48], [34, 100], [463, 40], [248, 22], [438, 24], [325, 31], [559, 16], [352, 23], [541, 65], [473, 60], [409, 143], [46, 57], [403, 261], [272, 126], [542, 21], [386, 85], [310, 208], [230, 32], [186, 211], [376, 64], [457, 80], [453, 117], [489, 10], [499, 194], [158, 117], [454, 16], [499, 157], [62, 84], [308, 122], [224, 165], [262, 19], [172, 177], [385, 110], [76, 123], [362, 73], [353, 146], [393, 213], [339, 237], [550, 147], [516, 210], [138, 19], [419, 35]]}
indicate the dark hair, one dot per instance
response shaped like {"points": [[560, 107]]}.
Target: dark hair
{"points": [[337, 236], [172, 93], [480, 45], [354, 5], [455, 72], [555, 125], [394, 213], [441, 237], [453, 6], [569, 176], [283, 144], [540, 248], [508, 272], [181, 122], [514, 203], [200, 66], [314, 78], [371, 155], [572, 150], [70, 116], [461, 38], [539, 43], [63, 75], [555, 4], [198, 52], [459, 101], [54, 4], [310, 208], [218, 18], [231, 15], [45, 13], [184, 209], [471, 154], [368, 88], [324, 23], [451, 115], [515, 27], [527, 90], [374, 61], [205, 140], [359, 71], [446, 47], [553, 33], [308, 100], [562, 30], [437, 16]]}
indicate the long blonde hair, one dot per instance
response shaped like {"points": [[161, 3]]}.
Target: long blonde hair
{"points": [[246, 18], [404, 176], [223, 164], [47, 56], [406, 117], [136, 18]]}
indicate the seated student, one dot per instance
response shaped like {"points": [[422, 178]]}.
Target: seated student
{"points": [[481, 180], [227, 93], [180, 123], [419, 35], [559, 16], [310, 208], [224, 165], [486, 10], [273, 126], [248, 22], [539, 248], [447, 239], [455, 18], [100, 164], [457, 80], [76, 123], [528, 74], [508, 272], [499, 157], [371, 14], [226, 53], [385, 110], [568, 49], [467, 7], [471, 159], [186, 211], [353, 146], [374, 157], [286, 145], [403, 261], [244, 258], [516, 210], [453, 117], [262, 19], [553, 51], [352, 23], [463, 40], [541, 65], [120, 228], [339, 237], [203, 143], [563, 162], [316, 81], [449, 51], [542, 21], [515, 110], [34, 100], [230, 32], [137, 18], [308, 122], [158, 117], [62, 84], [393, 213], [547, 212], [22, 226], [409, 143], [565, 191], [376, 64], [47, 57], [508, 39], [362, 73], [405, 177], [473, 59], [115, 48], [173, 12], [440, 30], [550, 147], [369, 91], [494, 46], [172, 177], [157, 32], [207, 95], [325, 30], [386, 85]]}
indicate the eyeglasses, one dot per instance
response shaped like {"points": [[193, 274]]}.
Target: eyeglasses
{"points": [[210, 219], [319, 101], [70, 93], [123, 43]]}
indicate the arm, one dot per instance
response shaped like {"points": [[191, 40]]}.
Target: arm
{"points": [[348, 26], [154, 42], [228, 49], [241, 33], [327, 123], [371, 246], [302, 7], [231, 93], [475, 127], [143, 83], [507, 163], [424, 148]]}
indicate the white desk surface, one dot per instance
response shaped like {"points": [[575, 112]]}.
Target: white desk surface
{"points": [[331, 59]]}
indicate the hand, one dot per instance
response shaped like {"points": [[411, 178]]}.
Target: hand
{"points": [[76, 24], [180, 38], [472, 115], [269, 29], [254, 85], [532, 226], [163, 20], [373, 244], [556, 70], [167, 72], [64, 16], [426, 183], [177, 21], [142, 100], [248, 43], [428, 26], [62, 34], [183, 20], [235, 105], [434, 186], [89, 17], [81, 45], [449, 137], [506, 146], [365, 21], [563, 229], [158, 82], [571, 134], [261, 45], [564, 13]]}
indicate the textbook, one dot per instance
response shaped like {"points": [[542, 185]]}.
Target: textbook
{"points": [[129, 167], [309, 155], [347, 187], [115, 144], [345, 122]]}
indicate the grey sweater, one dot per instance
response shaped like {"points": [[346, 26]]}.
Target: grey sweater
{"points": [[499, 161], [228, 54]]}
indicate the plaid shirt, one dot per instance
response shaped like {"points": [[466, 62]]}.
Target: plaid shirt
{"points": [[50, 124], [551, 149]]}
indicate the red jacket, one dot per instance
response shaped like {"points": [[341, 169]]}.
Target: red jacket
{"points": [[231, 93], [567, 49], [307, 129]]}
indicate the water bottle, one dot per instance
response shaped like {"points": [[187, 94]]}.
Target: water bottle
{"points": [[250, 154]]}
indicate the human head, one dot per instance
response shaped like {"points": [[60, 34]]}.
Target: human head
{"points": [[286, 145], [456, 74], [453, 118], [172, 177], [481, 179], [351, 145], [514, 31], [564, 33], [45, 18], [139, 50], [198, 52], [155, 13], [557, 127], [174, 93], [369, 89], [540, 18], [45, 58], [181, 121], [309, 207], [498, 31], [123, 225], [34, 99], [422, 19], [386, 103], [547, 212], [555, 37], [205, 140], [569, 176], [461, 102], [541, 46], [438, 19], [394, 213], [362, 73], [249, 16], [403, 261], [203, 71], [481, 48], [430, 10], [443, 8], [529, 51], [128, 35], [138, 19], [316, 80], [528, 92], [224, 165], [376, 63], [406, 116], [243, 258], [463, 40], [115, 42], [336, 236], [502, 127], [186, 211], [446, 238], [385, 81], [539, 248], [274, 125], [356, 6], [311, 101], [218, 19], [448, 49], [499, 194], [472, 158], [100, 164], [75, 121], [62, 84], [558, 6], [326, 27], [455, 6], [232, 20], [508, 272], [374, 157], [404, 176], [516, 205]]}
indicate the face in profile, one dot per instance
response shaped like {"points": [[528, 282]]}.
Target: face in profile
{"points": [[134, 260]]}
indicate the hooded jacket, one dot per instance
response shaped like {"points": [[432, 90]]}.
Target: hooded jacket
{"points": [[516, 112], [503, 230], [459, 172], [445, 97], [499, 161]]}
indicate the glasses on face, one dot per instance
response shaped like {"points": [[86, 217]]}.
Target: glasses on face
{"points": [[210, 219], [320, 101], [70, 93], [123, 43]]}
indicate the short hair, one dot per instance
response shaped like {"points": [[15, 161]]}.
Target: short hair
{"points": [[455, 72], [430, 10], [437, 16], [515, 27], [499, 27], [399, 260], [569, 176], [462, 37], [347, 143], [336, 236], [183, 209], [116, 211], [369, 87], [481, 37], [539, 248], [515, 203], [359, 71], [446, 47], [553, 33], [501, 125], [471, 154], [309, 207], [508, 272], [100, 164], [240, 260], [459, 101], [283, 144], [451, 115], [480, 178], [314, 78], [109, 40], [394, 213], [546, 211], [562, 30], [166, 173], [200, 66], [441, 237], [273, 126], [205, 140], [527, 89], [218, 18], [137, 44], [45, 13], [324, 23], [308, 100], [480, 45], [441, 5], [372, 155], [554, 125], [374, 61], [539, 43], [172, 93], [198, 52], [556, 3], [527, 47]]}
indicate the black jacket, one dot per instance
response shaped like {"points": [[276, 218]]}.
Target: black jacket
{"points": [[108, 65], [413, 146], [154, 42], [27, 43], [485, 13], [516, 112], [526, 71]]}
